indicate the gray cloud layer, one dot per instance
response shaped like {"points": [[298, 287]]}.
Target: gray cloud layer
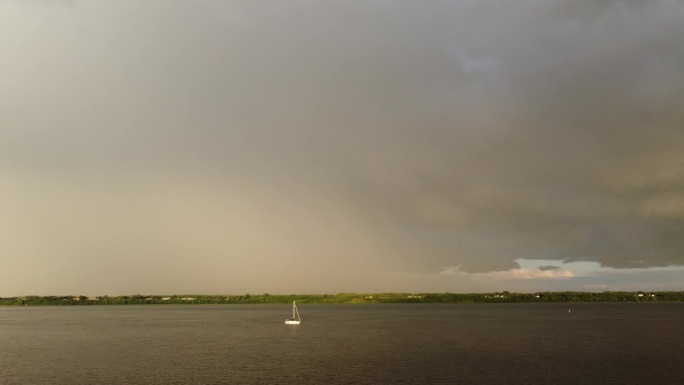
{"points": [[258, 139]]}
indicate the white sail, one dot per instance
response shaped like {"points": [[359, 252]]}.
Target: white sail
{"points": [[295, 320]]}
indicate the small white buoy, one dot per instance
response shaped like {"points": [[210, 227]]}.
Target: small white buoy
{"points": [[569, 311]]}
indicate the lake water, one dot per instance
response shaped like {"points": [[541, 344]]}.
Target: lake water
{"points": [[344, 344]]}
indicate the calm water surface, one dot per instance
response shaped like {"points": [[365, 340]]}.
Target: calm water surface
{"points": [[344, 344]]}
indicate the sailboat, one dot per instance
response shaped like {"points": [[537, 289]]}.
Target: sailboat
{"points": [[295, 320]]}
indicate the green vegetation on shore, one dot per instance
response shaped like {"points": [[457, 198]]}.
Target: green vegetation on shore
{"points": [[351, 298]]}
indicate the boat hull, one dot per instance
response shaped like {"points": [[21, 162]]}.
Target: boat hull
{"points": [[292, 322]]}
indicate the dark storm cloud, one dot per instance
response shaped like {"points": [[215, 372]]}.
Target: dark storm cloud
{"points": [[577, 154], [395, 136]]}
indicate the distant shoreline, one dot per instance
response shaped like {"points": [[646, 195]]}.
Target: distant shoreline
{"points": [[349, 298]]}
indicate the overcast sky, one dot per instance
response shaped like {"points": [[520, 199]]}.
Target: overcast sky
{"points": [[160, 147]]}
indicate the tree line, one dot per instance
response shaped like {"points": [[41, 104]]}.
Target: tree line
{"points": [[348, 298]]}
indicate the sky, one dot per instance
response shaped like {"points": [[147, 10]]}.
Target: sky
{"points": [[161, 147]]}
